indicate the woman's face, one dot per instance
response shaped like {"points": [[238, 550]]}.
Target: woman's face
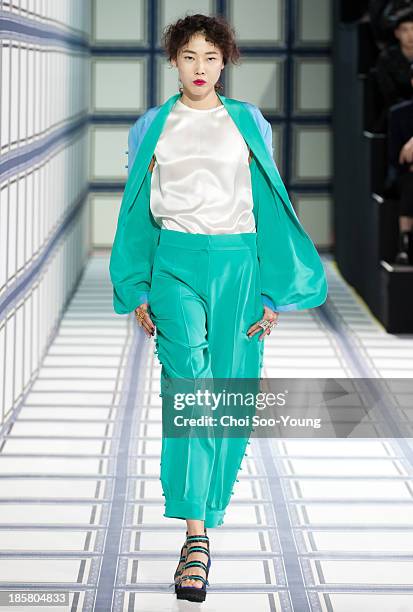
{"points": [[199, 60]]}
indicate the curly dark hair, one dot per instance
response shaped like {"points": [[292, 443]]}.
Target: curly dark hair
{"points": [[216, 30]]}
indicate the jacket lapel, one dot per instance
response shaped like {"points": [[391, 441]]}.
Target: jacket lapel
{"points": [[145, 152], [252, 135]]}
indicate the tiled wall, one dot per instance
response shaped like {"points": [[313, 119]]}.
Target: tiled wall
{"points": [[285, 70], [44, 220]]}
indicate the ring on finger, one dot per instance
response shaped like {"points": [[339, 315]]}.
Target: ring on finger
{"points": [[267, 324], [139, 316]]}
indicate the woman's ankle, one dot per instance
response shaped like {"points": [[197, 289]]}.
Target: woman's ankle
{"points": [[194, 527]]}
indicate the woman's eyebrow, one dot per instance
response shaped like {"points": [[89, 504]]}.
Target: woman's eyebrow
{"points": [[195, 53]]}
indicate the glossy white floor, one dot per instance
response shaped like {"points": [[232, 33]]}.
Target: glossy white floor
{"points": [[314, 525]]}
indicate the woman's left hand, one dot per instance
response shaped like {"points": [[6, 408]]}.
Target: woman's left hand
{"points": [[269, 315]]}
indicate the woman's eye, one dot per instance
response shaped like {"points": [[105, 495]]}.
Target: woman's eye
{"points": [[190, 57]]}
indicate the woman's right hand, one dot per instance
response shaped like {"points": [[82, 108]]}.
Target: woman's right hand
{"points": [[144, 319]]}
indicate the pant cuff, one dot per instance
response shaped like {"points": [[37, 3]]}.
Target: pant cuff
{"points": [[184, 509], [214, 518], [193, 510]]}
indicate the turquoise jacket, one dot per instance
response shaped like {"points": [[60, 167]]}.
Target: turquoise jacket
{"points": [[291, 272]]}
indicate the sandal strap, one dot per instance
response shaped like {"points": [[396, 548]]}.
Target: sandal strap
{"points": [[197, 549], [182, 558], [179, 570], [196, 564], [193, 577], [196, 538]]}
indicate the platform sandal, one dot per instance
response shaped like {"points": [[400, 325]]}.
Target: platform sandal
{"points": [[192, 593]]}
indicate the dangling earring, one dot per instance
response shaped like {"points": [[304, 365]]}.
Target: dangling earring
{"points": [[219, 86], [180, 87]]}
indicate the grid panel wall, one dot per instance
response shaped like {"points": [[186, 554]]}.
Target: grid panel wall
{"points": [[44, 217]]}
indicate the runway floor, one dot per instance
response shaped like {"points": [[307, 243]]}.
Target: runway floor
{"points": [[314, 525]]}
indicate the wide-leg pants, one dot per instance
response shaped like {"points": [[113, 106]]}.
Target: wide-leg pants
{"points": [[205, 294]]}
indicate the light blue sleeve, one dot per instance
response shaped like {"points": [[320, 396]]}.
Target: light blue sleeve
{"points": [[263, 125], [133, 143], [142, 299], [267, 302], [268, 139], [137, 132]]}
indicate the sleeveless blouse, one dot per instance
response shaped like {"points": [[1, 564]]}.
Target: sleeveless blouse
{"points": [[201, 181]]}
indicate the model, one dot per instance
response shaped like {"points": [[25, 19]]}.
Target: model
{"points": [[207, 251]]}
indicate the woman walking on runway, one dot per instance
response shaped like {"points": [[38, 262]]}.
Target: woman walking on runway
{"points": [[208, 250]]}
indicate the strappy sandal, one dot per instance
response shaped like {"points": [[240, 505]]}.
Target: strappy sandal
{"points": [[192, 593]]}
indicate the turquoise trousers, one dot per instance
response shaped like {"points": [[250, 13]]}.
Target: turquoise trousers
{"points": [[205, 294]]}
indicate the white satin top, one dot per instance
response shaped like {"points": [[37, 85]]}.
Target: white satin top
{"points": [[201, 181]]}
